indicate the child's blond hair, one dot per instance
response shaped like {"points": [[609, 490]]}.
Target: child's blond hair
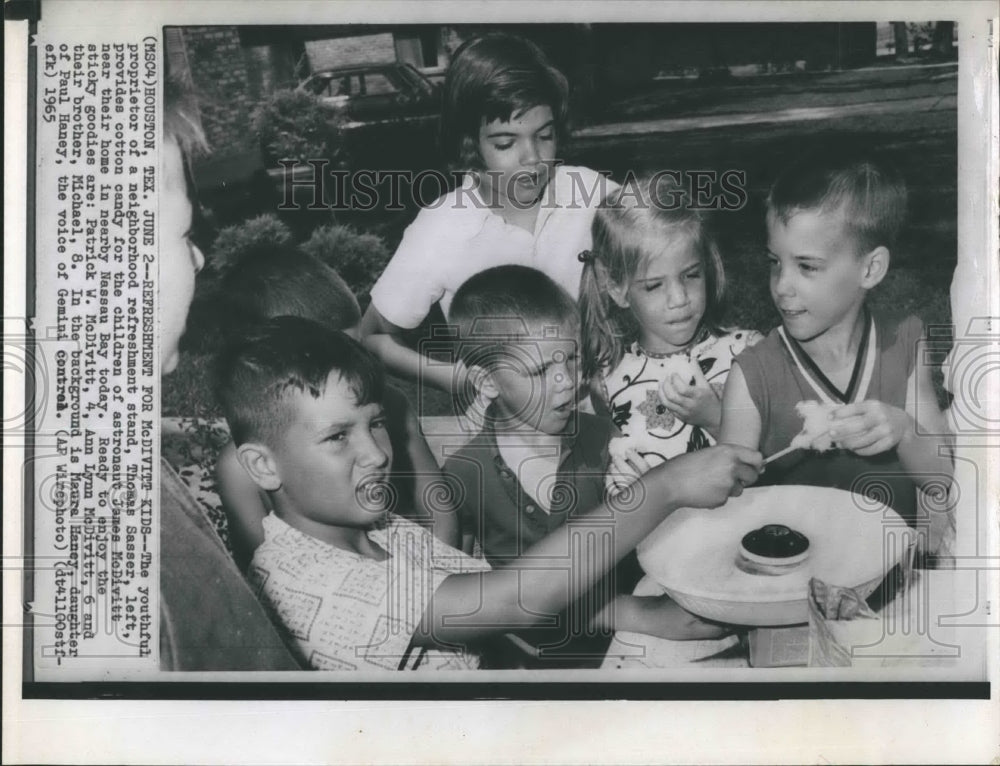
{"points": [[632, 224]]}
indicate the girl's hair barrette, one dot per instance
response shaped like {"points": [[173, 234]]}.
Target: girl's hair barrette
{"points": [[586, 257]]}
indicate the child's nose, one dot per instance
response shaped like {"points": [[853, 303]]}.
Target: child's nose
{"points": [[782, 282], [676, 295], [373, 453], [530, 154]]}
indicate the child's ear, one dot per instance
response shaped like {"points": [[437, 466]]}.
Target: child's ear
{"points": [[258, 461], [876, 267], [483, 380], [618, 293]]}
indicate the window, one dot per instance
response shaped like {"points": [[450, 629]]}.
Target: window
{"points": [[330, 86], [378, 84]]}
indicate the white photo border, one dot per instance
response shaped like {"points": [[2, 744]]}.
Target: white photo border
{"points": [[581, 731]]}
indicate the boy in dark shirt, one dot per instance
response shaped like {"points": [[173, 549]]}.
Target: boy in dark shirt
{"points": [[538, 462]]}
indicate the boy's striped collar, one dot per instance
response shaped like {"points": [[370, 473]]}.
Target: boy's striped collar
{"points": [[864, 366]]}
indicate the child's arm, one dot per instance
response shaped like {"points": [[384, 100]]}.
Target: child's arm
{"points": [[427, 475], [385, 340], [245, 510], [656, 616], [741, 422], [872, 427], [470, 606], [695, 403]]}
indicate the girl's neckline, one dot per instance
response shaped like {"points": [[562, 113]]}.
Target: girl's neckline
{"points": [[507, 213], [698, 338]]}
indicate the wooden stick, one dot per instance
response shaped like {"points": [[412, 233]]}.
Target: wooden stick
{"points": [[781, 453]]}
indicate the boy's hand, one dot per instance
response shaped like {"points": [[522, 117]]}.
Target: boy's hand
{"points": [[869, 427], [706, 478], [694, 402]]}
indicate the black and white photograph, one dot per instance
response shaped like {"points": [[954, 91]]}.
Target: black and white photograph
{"points": [[374, 359]]}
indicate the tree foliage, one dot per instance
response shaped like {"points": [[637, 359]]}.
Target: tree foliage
{"points": [[292, 124]]}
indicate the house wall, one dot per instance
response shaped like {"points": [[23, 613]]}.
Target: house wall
{"points": [[345, 51], [218, 71]]}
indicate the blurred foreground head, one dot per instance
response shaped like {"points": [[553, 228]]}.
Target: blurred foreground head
{"points": [[179, 260]]}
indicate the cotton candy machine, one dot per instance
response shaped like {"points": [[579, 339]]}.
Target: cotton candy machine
{"points": [[749, 562]]}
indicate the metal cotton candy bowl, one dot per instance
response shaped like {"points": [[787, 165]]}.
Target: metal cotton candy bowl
{"points": [[694, 553]]}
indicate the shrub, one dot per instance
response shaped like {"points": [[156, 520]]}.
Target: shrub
{"points": [[292, 124], [358, 257], [263, 233], [187, 391]]}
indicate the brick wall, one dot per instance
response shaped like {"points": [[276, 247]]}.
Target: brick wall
{"points": [[219, 75], [345, 51]]}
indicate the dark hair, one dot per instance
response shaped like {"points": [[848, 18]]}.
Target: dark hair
{"points": [[870, 194], [631, 224], [494, 77], [256, 371], [288, 282], [494, 307]]}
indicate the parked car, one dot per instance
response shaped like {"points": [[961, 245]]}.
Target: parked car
{"points": [[375, 93]]}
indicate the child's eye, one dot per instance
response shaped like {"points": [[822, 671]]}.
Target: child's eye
{"points": [[503, 147], [534, 372], [808, 268], [547, 137], [337, 437], [650, 286], [693, 275], [379, 423]]}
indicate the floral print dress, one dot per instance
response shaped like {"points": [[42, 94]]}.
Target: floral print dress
{"points": [[633, 394]]}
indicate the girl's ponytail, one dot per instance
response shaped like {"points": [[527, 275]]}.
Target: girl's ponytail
{"points": [[603, 345]]}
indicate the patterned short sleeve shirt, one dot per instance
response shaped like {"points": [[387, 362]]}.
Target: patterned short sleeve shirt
{"points": [[344, 611], [633, 392]]}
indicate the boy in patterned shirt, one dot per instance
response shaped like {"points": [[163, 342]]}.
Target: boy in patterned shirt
{"points": [[356, 587]]}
